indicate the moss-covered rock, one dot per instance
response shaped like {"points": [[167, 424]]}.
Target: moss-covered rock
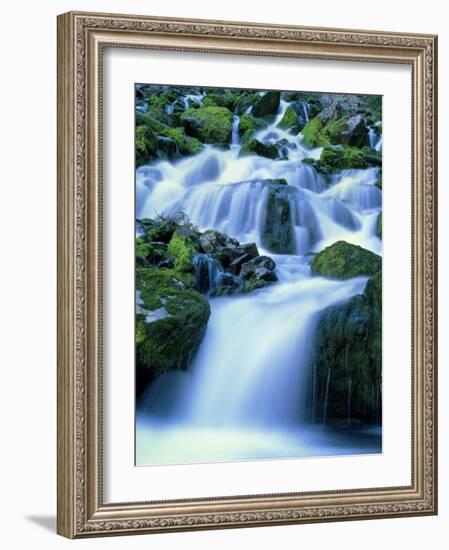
{"points": [[329, 128], [256, 147], [171, 320], [159, 230], [245, 100], [379, 182], [379, 225], [248, 125], [289, 119], [156, 131], [347, 365], [343, 260], [353, 132], [221, 98], [146, 145], [313, 135], [340, 157], [268, 104], [182, 248], [278, 232], [150, 254], [208, 124]]}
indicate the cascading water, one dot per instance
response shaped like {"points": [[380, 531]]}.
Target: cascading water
{"points": [[244, 395]]}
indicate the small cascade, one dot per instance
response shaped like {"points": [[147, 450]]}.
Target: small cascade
{"points": [[306, 177], [372, 138], [375, 140], [305, 108], [208, 169], [357, 187], [235, 138], [207, 272], [378, 146]]}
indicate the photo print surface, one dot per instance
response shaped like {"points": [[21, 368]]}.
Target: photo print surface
{"points": [[258, 261]]}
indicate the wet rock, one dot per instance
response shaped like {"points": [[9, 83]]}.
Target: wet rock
{"points": [[250, 267], [348, 360], [268, 104], [379, 225], [211, 240], [171, 320], [256, 147], [278, 232], [226, 255], [289, 119], [236, 264]]}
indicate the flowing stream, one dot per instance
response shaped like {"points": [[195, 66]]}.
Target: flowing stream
{"points": [[244, 396]]}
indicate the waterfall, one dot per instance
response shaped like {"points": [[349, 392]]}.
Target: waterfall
{"points": [[372, 137], [246, 386], [378, 145], [305, 108], [235, 139], [207, 272], [375, 139]]}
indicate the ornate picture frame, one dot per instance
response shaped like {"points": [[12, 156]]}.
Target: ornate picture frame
{"points": [[82, 38]]}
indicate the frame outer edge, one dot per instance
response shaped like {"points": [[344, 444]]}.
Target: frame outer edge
{"points": [[66, 288], [435, 268], [74, 482]]}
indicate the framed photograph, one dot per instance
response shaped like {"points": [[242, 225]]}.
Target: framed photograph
{"points": [[246, 274]]}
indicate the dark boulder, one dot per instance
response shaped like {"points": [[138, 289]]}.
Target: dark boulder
{"points": [[268, 104], [278, 231], [347, 365]]}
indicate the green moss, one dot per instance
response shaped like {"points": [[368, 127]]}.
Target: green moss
{"points": [[161, 231], [379, 182], [248, 125], [312, 134], [168, 342], [147, 125], [333, 132], [373, 291], [182, 249], [221, 98], [341, 157], [143, 249], [379, 225], [146, 145], [334, 128], [289, 119], [255, 147], [343, 260], [140, 330], [208, 124], [148, 254]]}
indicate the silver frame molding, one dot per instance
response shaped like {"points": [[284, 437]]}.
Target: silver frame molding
{"points": [[81, 38]]}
